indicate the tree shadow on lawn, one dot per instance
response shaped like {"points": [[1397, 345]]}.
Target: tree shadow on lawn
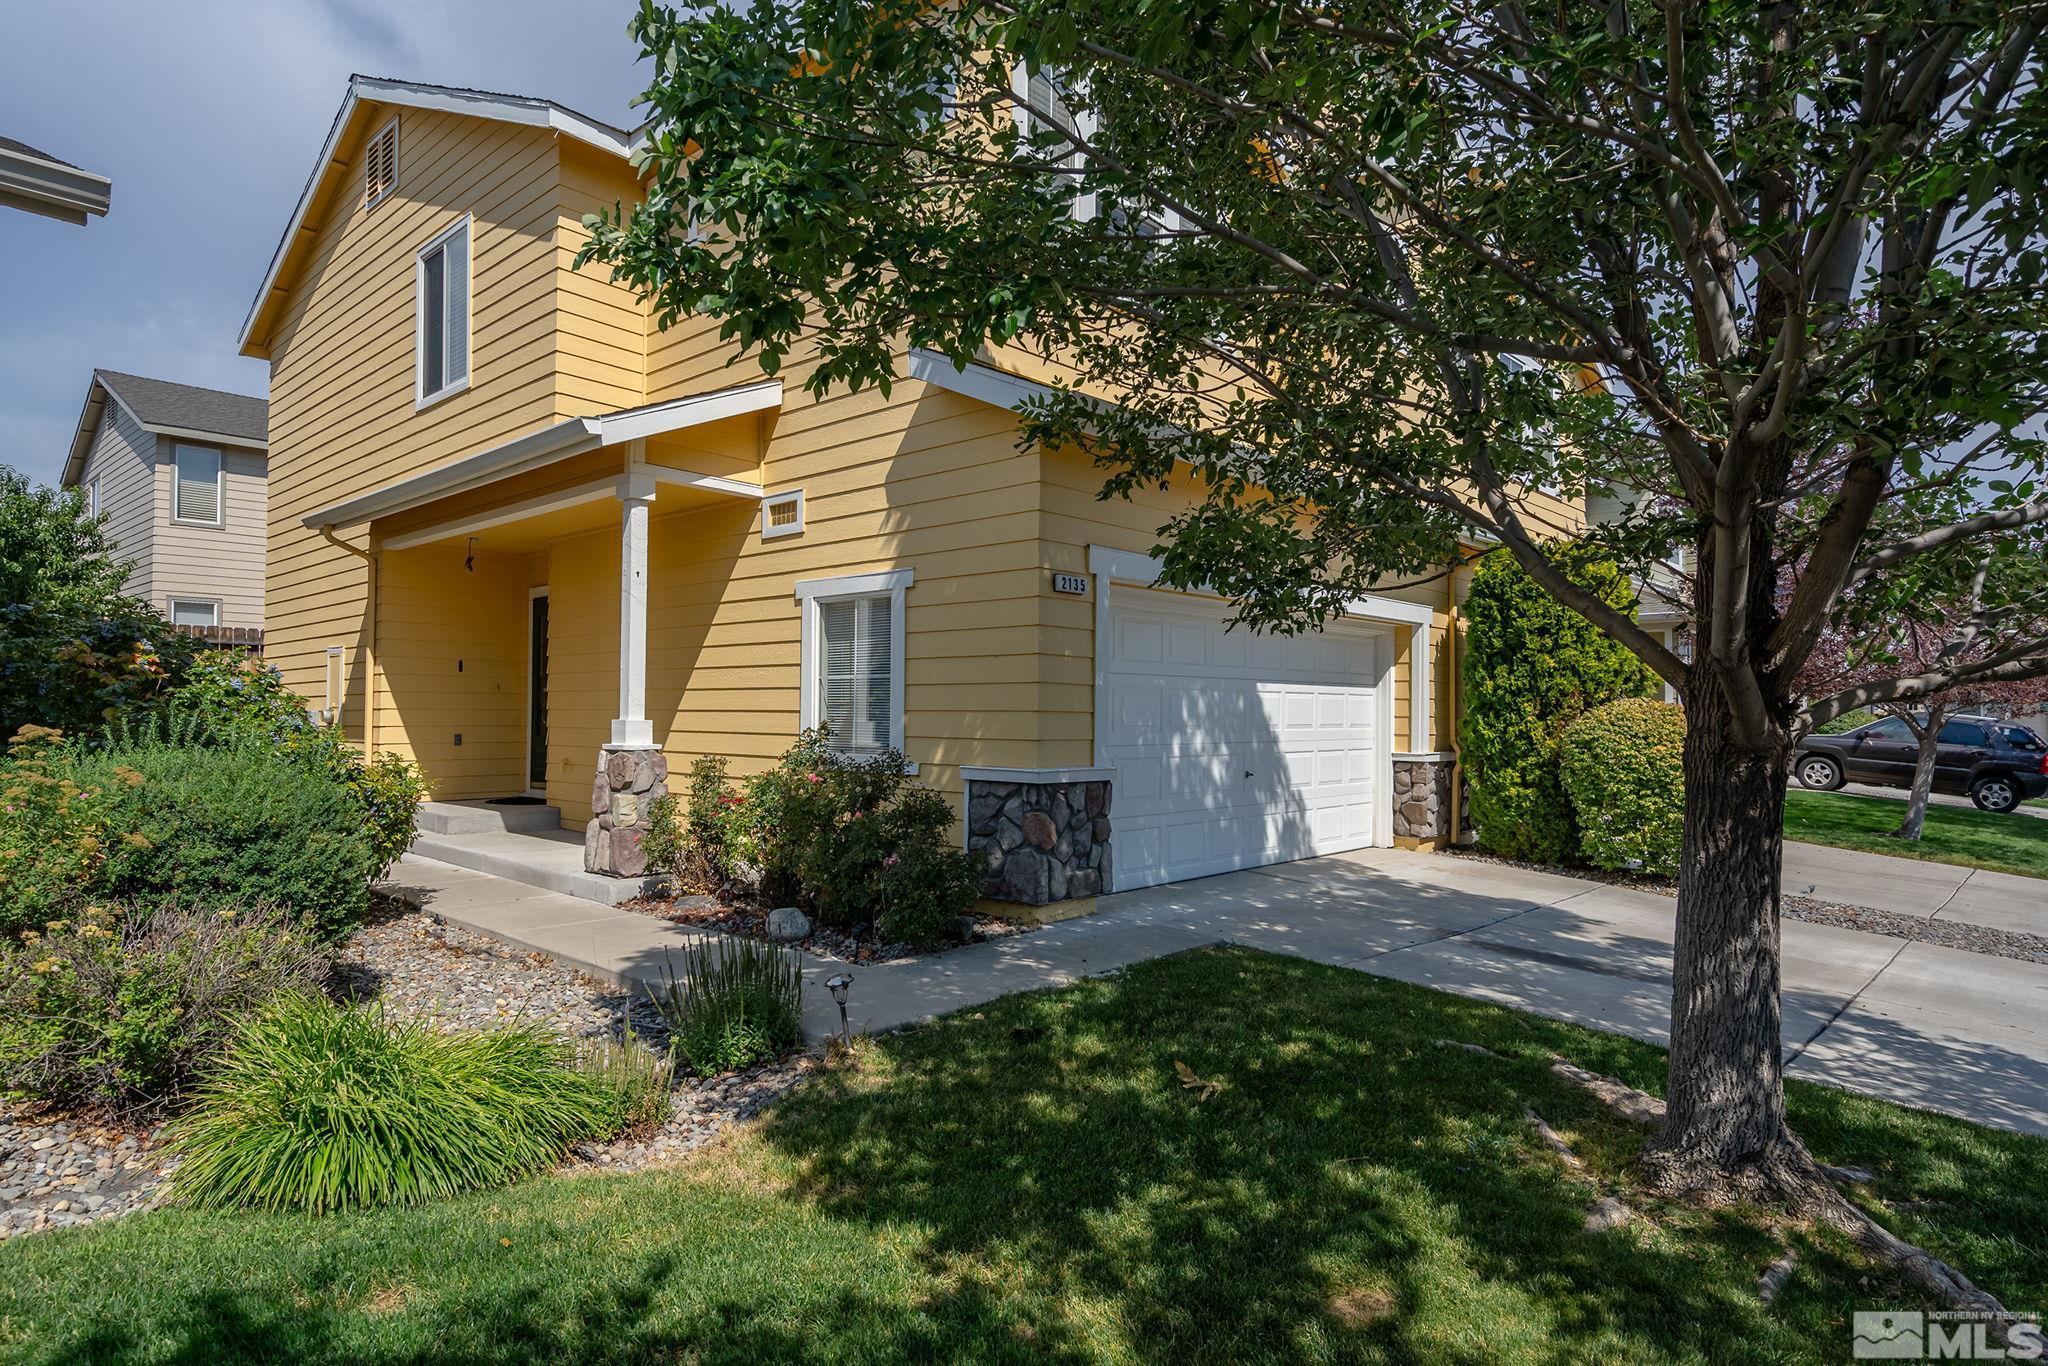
{"points": [[1031, 1180], [1354, 1187]]}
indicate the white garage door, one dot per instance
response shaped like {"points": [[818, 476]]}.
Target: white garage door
{"points": [[1231, 749]]}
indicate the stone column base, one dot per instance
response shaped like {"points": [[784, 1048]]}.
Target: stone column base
{"points": [[629, 781], [1422, 797], [1039, 842]]}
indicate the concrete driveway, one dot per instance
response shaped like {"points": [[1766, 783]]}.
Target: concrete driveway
{"points": [[1909, 1022]]}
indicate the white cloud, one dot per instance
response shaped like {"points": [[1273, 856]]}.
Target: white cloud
{"points": [[207, 117]]}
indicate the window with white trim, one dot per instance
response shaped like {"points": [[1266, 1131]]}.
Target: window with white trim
{"points": [[92, 496], [442, 334], [853, 659], [1044, 113], [782, 514], [194, 612], [195, 485], [380, 165]]}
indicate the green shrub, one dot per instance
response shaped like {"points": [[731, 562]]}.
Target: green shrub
{"points": [[209, 828], [734, 1004], [228, 698], [316, 1108], [1846, 722], [1532, 666], [892, 866], [119, 1007], [849, 838], [633, 1079], [689, 836], [1624, 767], [75, 669]]}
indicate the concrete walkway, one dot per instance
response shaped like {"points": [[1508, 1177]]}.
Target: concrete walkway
{"points": [[1851, 877], [1909, 1022]]}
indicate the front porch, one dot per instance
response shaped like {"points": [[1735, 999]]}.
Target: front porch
{"points": [[507, 632], [525, 845]]}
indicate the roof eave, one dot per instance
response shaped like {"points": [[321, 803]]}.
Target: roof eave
{"points": [[51, 188]]}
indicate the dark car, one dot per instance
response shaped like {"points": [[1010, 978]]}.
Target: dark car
{"points": [[1996, 763]]}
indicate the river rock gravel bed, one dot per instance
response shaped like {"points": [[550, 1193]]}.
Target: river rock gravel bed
{"points": [[62, 1170], [1949, 934]]}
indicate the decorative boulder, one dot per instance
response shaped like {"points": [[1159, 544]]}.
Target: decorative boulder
{"points": [[787, 924]]}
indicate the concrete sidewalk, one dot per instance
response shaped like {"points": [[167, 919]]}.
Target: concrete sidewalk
{"points": [[2004, 901], [1909, 1022]]}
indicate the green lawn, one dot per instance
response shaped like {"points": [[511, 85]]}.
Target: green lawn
{"points": [[2010, 843], [1030, 1181]]}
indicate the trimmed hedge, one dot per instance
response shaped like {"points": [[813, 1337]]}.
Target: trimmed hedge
{"points": [[1532, 666], [1624, 767]]}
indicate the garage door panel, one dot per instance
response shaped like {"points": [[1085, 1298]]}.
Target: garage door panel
{"points": [[1234, 749]]}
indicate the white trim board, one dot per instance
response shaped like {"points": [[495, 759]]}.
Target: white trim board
{"points": [[810, 593], [571, 437], [978, 774]]}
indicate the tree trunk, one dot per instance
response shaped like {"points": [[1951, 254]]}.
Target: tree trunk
{"points": [[1724, 1131], [1923, 777]]}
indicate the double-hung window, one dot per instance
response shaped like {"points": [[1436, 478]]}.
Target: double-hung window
{"points": [[853, 659], [1047, 123], [195, 486], [442, 334]]}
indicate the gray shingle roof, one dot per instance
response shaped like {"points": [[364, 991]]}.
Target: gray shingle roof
{"points": [[160, 403]]}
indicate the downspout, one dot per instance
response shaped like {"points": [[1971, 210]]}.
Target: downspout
{"points": [[369, 639], [1456, 685]]}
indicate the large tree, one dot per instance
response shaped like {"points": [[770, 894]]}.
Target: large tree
{"points": [[1377, 268]]}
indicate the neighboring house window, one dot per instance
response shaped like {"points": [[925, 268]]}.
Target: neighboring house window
{"points": [[380, 165], [782, 515], [443, 328], [195, 492], [194, 612], [92, 497], [853, 659], [1043, 112]]}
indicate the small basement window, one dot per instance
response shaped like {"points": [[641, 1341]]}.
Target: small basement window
{"points": [[782, 514], [194, 612], [380, 165]]}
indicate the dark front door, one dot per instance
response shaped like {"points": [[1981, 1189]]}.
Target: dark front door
{"points": [[537, 694]]}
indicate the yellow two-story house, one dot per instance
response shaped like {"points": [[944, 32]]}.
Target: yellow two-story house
{"points": [[527, 537]]}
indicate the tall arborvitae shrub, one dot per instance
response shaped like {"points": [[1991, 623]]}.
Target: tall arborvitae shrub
{"points": [[1532, 666]]}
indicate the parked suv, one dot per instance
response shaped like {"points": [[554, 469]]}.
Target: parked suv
{"points": [[1997, 763]]}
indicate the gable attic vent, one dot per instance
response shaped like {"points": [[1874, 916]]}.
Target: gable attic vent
{"points": [[380, 164]]}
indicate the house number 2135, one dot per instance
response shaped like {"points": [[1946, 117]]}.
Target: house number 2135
{"points": [[1070, 583]]}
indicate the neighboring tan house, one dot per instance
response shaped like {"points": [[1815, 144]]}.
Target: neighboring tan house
{"points": [[178, 474], [36, 182], [542, 541]]}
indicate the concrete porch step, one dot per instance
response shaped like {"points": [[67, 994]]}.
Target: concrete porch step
{"points": [[478, 818], [549, 859]]}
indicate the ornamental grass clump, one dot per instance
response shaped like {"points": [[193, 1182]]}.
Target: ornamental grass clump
{"points": [[318, 1108], [732, 1005]]}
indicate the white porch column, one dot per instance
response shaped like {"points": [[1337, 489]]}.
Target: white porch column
{"points": [[631, 727], [1421, 695]]}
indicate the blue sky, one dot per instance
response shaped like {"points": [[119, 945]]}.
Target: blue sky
{"points": [[207, 116]]}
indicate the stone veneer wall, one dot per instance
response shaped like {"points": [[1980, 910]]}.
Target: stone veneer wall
{"points": [[1422, 798], [1039, 842], [629, 781]]}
